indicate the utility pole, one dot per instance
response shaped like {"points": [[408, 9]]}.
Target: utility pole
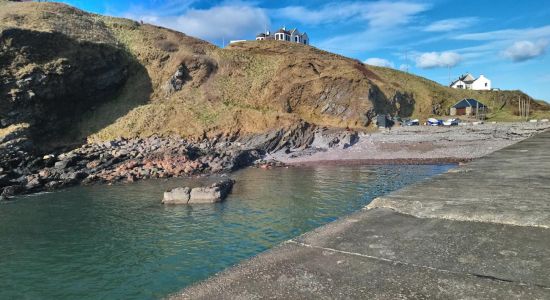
{"points": [[524, 106], [520, 112], [406, 62], [528, 108]]}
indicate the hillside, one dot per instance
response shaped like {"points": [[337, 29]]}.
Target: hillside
{"points": [[68, 76]]}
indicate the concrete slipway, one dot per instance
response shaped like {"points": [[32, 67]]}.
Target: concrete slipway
{"points": [[481, 231]]}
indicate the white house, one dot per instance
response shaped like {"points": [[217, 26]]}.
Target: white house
{"points": [[468, 82], [285, 35]]}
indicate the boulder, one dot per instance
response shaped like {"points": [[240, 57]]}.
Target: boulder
{"points": [[52, 185], [33, 183], [217, 192], [4, 180], [73, 176], [11, 191], [177, 196]]}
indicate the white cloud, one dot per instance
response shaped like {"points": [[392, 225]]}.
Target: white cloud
{"points": [[166, 8], [232, 21], [507, 34], [450, 24], [377, 14], [432, 60], [384, 24], [386, 13], [381, 62], [329, 13], [525, 50], [404, 67]]}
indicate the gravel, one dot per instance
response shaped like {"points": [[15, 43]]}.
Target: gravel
{"points": [[422, 143]]}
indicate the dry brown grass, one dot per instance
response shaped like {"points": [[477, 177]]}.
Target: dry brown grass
{"points": [[251, 86], [12, 128]]}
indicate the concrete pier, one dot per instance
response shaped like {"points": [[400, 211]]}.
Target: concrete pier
{"points": [[479, 231]]}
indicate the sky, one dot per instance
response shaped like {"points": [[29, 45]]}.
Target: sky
{"points": [[505, 40]]}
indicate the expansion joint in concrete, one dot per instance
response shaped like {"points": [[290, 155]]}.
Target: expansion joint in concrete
{"points": [[366, 208], [398, 262]]}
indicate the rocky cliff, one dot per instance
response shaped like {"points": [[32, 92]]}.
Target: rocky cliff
{"points": [[68, 76]]}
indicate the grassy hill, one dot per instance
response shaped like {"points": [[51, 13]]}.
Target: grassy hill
{"points": [[70, 75]]}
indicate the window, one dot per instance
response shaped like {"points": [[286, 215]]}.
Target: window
{"points": [[485, 84], [297, 39]]}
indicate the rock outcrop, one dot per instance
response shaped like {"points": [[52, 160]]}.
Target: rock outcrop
{"points": [[217, 192], [299, 137], [129, 160], [49, 80]]}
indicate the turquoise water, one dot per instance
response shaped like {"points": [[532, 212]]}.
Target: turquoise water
{"points": [[119, 242]]}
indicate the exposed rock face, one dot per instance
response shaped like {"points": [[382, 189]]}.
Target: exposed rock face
{"points": [[49, 80], [195, 70], [301, 136], [215, 193]]}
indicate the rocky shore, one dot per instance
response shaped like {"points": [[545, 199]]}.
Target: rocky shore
{"points": [[420, 145], [127, 160]]}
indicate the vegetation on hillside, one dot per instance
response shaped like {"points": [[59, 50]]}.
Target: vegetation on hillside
{"points": [[173, 84]]}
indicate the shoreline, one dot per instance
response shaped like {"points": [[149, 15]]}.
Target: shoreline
{"points": [[418, 234], [389, 161], [419, 145], [129, 160]]}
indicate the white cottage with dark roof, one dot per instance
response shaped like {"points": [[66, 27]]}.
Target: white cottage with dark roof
{"points": [[283, 34], [469, 82]]}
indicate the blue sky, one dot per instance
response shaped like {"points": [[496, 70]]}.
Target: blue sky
{"points": [[507, 41]]}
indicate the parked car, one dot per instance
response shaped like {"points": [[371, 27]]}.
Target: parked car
{"points": [[434, 122], [414, 122], [451, 122]]}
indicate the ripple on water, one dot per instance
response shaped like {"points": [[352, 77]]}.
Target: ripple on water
{"points": [[119, 242]]}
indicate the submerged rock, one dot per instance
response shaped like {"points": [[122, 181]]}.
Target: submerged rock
{"points": [[217, 192]]}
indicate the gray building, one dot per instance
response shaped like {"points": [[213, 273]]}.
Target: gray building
{"points": [[283, 34]]}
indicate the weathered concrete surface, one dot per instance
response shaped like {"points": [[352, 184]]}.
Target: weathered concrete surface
{"points": [[478, 232], [491, 250], [295, 271], [510, 186]]}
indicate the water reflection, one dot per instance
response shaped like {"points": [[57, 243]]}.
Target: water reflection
{"points": [[120, 242]]}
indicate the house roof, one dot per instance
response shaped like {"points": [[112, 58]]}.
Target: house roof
{"points": [[468, 103], [467, 78], [453, 83], [293, 31], [261, 35], [283, 31]]}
